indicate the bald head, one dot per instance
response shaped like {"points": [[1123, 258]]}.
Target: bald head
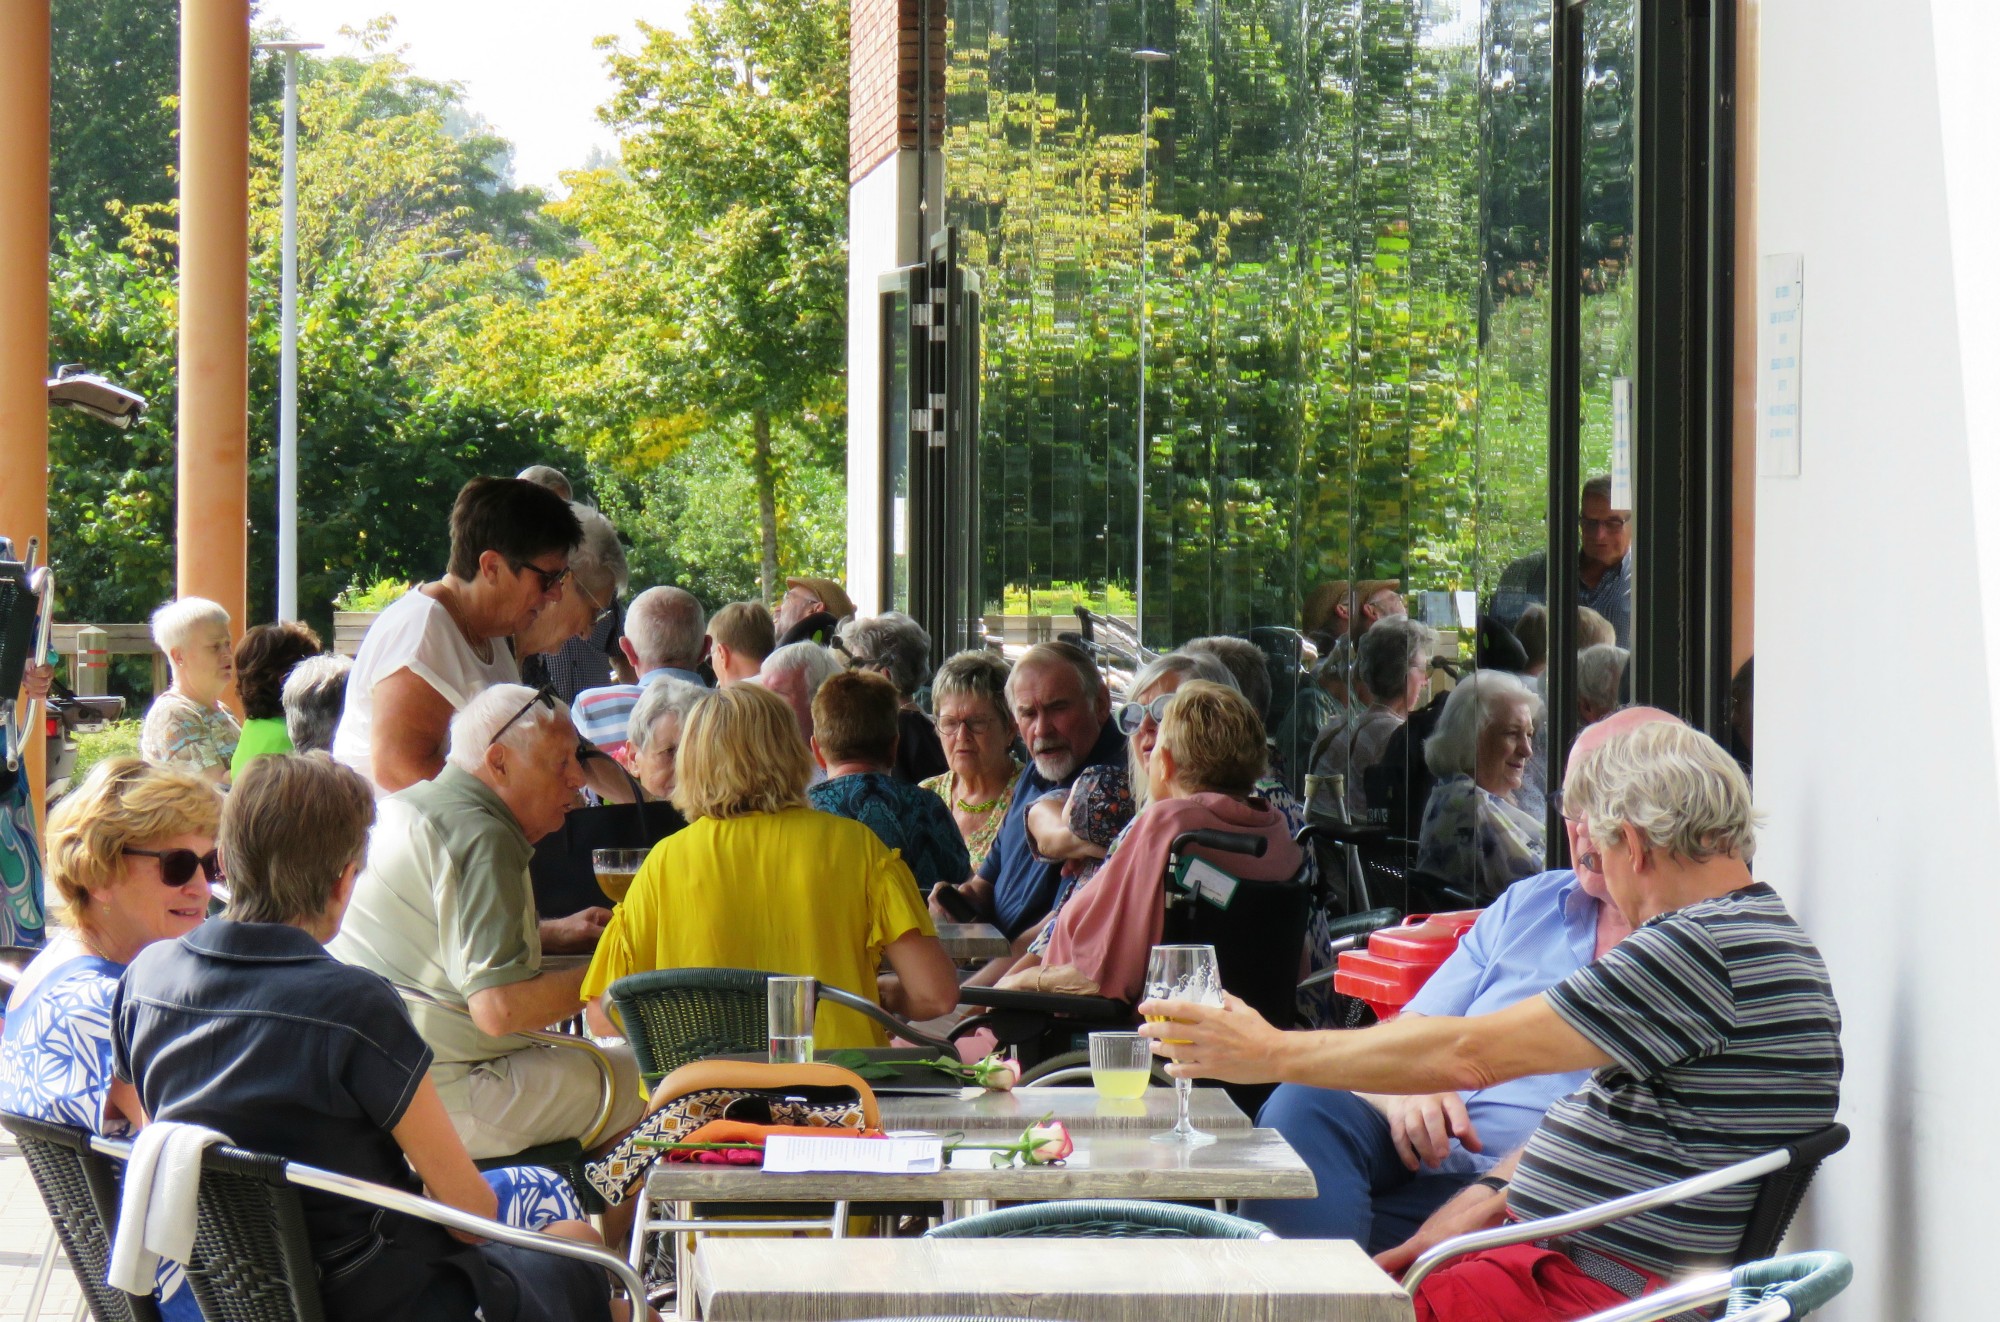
{"points": [[1594, 735], [665, 626]]}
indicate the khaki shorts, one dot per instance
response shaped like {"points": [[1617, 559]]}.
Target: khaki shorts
{"points": [[537, 1095]]}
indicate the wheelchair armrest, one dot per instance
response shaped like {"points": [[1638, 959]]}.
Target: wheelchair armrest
{"points": [[902, 1028], [1061, 1005]]}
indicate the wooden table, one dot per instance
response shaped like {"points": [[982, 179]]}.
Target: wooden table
{"points": [[975, 1110], [1079, 1280], [967, 941]]}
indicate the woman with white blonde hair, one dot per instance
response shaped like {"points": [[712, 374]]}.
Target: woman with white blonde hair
{"points": [[1475, 835], [187, 725], [759, 880]]}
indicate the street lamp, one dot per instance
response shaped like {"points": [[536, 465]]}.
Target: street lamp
{"points": [[1147, 58], [288, 369]]}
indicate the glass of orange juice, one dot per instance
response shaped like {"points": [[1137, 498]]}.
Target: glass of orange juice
{"points": [[1183, 973]]}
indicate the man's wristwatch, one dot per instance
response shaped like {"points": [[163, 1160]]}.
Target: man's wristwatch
{"points": [[1493, 1182]]}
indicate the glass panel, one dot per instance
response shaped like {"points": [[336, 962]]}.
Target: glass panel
{"points": [[896, 449]]}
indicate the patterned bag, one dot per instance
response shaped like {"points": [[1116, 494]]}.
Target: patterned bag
{"points": [[814, 1096]]}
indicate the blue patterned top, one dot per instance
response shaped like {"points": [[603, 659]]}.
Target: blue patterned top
{"points": [[55, 1064], [907, 817]]}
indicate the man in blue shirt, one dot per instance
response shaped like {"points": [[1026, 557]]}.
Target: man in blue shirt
{"points": [[1063, 711], [666, 636], [1383, 1164]]}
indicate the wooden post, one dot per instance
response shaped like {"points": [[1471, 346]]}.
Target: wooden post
{"points": [[90, 676]]}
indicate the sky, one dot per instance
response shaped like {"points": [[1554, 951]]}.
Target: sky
{"points": [[527, 67]]}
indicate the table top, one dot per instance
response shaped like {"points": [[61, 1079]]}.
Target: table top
{"points": [[1241, 1163], [1081, 1280], [976, 1110], [971, 940]]}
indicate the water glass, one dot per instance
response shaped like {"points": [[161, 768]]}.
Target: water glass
{"points": [[1121, 1065], [615, 869], [790, 1004], [1183, 973]]}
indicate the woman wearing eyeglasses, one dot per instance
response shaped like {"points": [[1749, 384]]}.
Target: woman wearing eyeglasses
{"points": [[969, 693], [571, 646], [131, 853], [443, 643]]}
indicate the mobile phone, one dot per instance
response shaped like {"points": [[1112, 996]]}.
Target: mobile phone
{"points": [[954, 903]]}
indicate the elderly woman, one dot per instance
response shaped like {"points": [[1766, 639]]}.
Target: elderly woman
{"points": [[312, 698], [854, 742], [264, 659], [326, 1067], [976, 728], [894, 645], [187, 725], [1393, 663], [131, 853], [570, 646], [653, 734], [1207, 755], [758, 880], [430, 652], [1474, 833]]}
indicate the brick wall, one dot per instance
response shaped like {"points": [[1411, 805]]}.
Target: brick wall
{"points": [[884, 66]]}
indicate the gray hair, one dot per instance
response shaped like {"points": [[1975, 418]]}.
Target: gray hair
{"points": [[1672, 784], [975, 674], [665, 627], [312, 697], [477, 722], [1187, 665], [1247, 665], [1387, 652], [1453, 748], [893, 643], [818, 664], [544, 476], [175, 622], [1599, 671], [664, 696], [598, 560]]}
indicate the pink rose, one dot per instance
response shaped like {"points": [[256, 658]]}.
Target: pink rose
{"points": [[1047, 1143], [997, 1073]]}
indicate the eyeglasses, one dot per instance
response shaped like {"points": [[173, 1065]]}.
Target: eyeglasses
{"points": [[977, 728], [544, 695], [551, 578], [177, 866], [1613, 525], [1590, 860], [602, 613], [1131, 715]]}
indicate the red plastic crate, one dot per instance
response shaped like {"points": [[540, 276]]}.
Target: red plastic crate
{"points": [[1400, 960]]}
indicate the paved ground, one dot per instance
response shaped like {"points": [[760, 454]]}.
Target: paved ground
{"points": [[24, 1230]]}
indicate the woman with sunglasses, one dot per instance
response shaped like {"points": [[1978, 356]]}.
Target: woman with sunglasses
{"points": [[427, 655], [131, 853]]}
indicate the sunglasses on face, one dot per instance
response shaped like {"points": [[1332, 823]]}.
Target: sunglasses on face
{"points": [[1131, 715], [177, 866], [551, 578], [544, 695]]}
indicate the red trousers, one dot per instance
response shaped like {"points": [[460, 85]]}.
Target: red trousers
{"points": [[1520, 1283]]}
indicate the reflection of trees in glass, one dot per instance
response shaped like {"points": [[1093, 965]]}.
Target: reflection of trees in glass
{"points": [[1346, 234]]}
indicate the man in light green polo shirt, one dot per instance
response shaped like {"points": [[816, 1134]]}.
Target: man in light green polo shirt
{"points": [[445, 906]]}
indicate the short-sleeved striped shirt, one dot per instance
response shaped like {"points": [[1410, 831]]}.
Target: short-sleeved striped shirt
{"points": [[1727, 1042]]}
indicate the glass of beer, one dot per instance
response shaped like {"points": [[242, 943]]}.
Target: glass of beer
{"points": [[1183, 973], [615, 869], [1121, 1065]]}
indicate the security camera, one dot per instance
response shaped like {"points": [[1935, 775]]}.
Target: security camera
{"points": [[87, 392]]}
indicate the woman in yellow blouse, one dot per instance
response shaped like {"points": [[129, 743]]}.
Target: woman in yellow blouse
{"points": [[759, 880]]}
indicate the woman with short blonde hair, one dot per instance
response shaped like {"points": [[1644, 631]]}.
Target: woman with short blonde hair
{"points": [[759, 880], [187, 725]]}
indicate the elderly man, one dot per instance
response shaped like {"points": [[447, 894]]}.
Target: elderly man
{"points": [[1063, 711], [445, 907], [1711, 1034], [809, 610], [665, 638], [1383, 1162], [1604, 566]]}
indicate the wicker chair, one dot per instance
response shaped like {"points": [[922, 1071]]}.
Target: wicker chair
{"points": [[80, 1188], [252, 1259], [1102, 1218], [1773, 1290]]}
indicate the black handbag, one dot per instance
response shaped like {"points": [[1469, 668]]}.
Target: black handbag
{"points": [[564, 878]]}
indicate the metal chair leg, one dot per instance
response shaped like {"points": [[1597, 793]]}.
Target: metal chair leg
{"points": [[44, 1270]]}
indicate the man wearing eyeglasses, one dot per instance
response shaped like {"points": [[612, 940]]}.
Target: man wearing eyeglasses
{"points": [[445, 907], [1604, 566]]}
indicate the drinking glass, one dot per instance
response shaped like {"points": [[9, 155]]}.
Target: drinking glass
{"points": [[1121, 1065], [1183, 973], [789, 1005], [615, 869]]}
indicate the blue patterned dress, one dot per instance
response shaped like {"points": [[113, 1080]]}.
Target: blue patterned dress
{"points": [[21, 919]]}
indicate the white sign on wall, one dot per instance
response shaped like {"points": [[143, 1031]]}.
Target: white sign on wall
{"points": [[1621, 443], [1781, 324]]}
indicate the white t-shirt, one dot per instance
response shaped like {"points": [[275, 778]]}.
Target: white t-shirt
{"points": [[415, 634]]}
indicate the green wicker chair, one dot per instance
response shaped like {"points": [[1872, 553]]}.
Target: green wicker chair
{"points": [[1102, 1218], [1773, 1290]]}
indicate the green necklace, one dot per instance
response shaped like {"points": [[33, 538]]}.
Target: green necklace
{"points": [[977, 809]]}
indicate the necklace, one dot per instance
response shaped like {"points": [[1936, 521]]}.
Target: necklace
{"points": [[976, 809]]}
